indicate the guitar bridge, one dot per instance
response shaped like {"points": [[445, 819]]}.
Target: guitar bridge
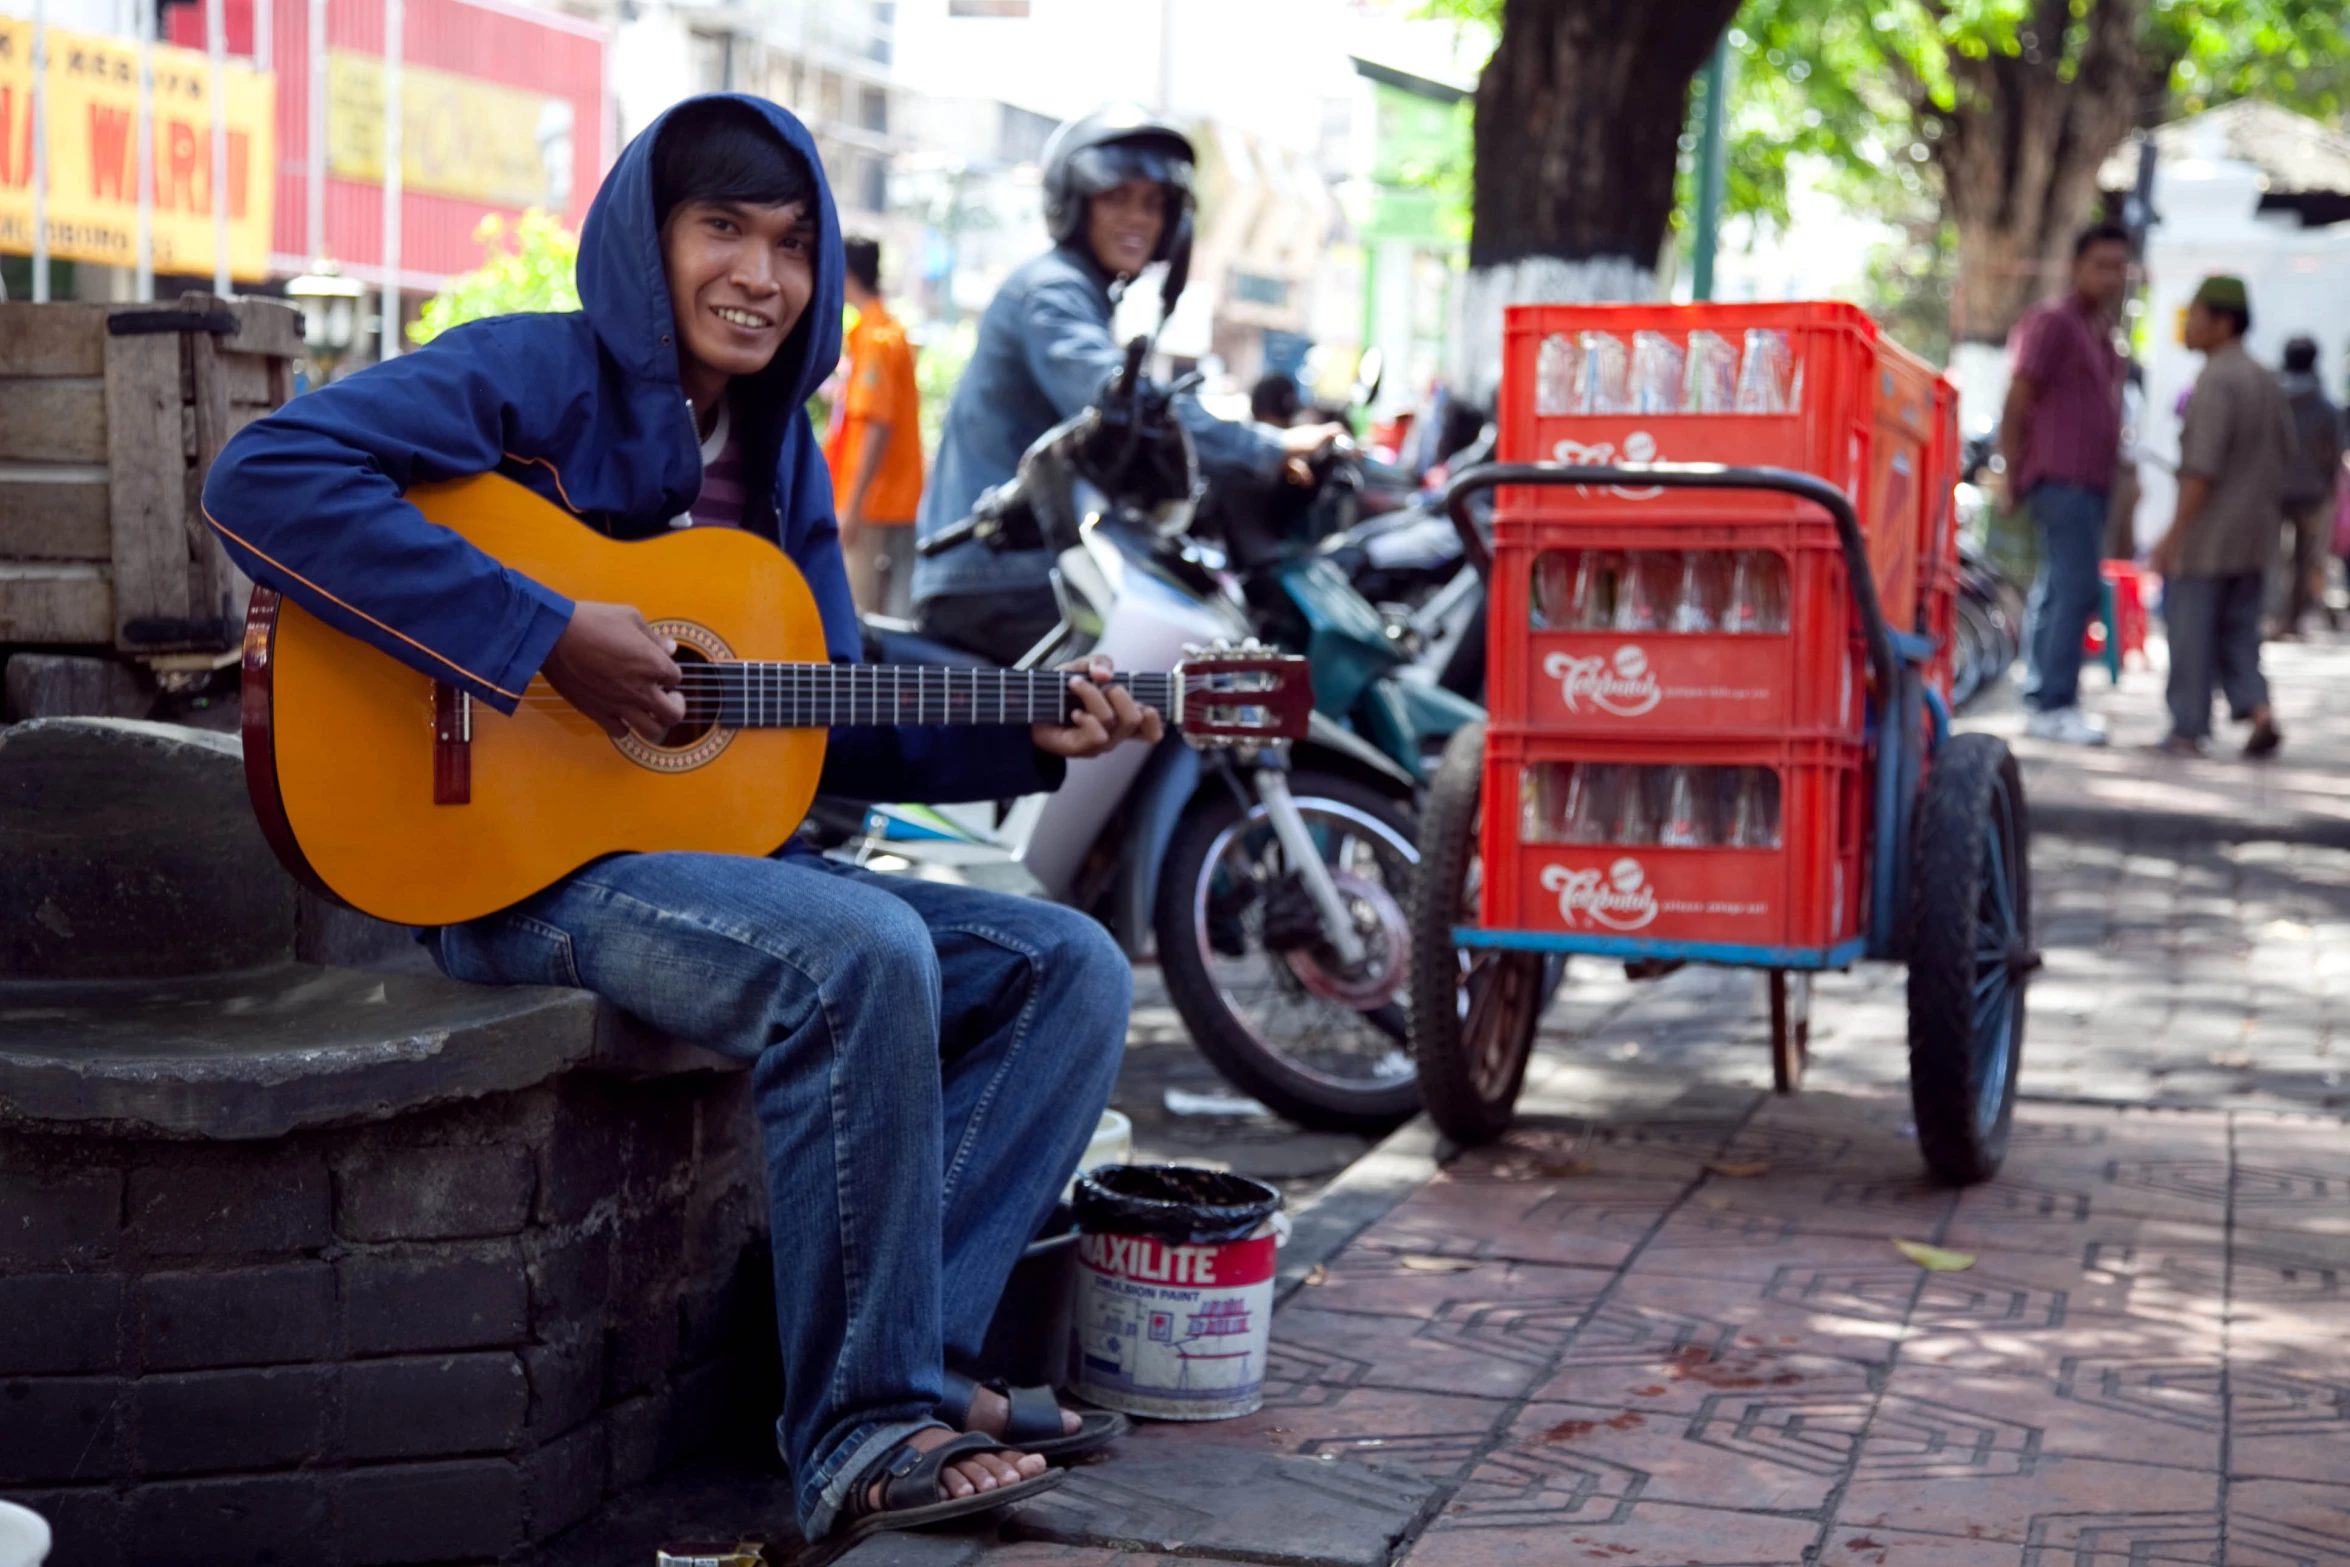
{"points": [[452, 745]]}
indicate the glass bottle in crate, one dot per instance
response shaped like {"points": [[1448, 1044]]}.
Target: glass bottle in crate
{"points": [[1635, 601], [1757, 604], [1589, 792], [1557, 367], [1603, 382], [1592, 604], [1688, 814], [1636, 820], [1749, 808], [1711, 386], [1697, 601], [1764, 377], [1555, 573], [1657, 372]]}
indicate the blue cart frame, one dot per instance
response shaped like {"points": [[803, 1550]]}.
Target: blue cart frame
{"points": [[1968, 945]]}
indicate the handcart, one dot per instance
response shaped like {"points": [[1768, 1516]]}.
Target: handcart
{"points": [[1708, 741]]}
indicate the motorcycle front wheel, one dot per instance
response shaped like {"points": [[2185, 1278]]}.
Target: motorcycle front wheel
{"points": [[1268, 1003]]}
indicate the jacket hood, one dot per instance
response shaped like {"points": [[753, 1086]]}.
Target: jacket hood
{"points": [[625, 291]]}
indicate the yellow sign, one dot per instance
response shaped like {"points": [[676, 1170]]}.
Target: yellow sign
{"points": [[93, 114], [459, 136]]}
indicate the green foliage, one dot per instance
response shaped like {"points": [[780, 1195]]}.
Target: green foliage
{"points": [[938, 366], [1865, 88], [527, 271]]}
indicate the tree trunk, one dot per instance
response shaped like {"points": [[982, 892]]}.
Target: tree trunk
{"points": [[2020, 149], [1578, 122]]}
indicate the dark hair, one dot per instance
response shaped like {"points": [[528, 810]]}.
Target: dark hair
{"points": [[864, 259], [2301, 354], [2235, 313], [719, 150], [1274, 399], [2099, 234]]}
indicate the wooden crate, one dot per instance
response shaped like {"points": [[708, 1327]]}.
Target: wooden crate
{"points": [[110, 417]]}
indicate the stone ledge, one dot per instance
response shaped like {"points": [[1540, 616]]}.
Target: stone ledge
{"points": [[264, 1052]]}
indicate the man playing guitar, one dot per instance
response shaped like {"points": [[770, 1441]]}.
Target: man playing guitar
{"points": [[928, 1062]]}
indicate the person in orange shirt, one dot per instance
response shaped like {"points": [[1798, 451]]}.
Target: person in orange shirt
{"points": [[875, 452]]}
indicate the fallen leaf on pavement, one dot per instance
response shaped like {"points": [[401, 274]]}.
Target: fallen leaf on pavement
{"points": [[1740, 1170], [1317, 1274], [1560, 1169], [1422, 1264], [1934, 1259]]}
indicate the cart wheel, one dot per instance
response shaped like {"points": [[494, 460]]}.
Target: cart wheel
{"points": [[1790, 1028], [1970, 955], [1473, 1012]]}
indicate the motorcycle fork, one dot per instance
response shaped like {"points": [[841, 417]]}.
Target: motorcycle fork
{"points": [[1305, 859]]}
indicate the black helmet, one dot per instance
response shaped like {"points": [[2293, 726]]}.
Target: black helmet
{"points": [[1116, 143]]}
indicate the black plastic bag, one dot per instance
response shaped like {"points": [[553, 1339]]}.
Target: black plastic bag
{"points": [[1172, 1202]]}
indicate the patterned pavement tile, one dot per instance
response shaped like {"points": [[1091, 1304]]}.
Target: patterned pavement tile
{"points": [[2282, 1523], [1317, 1354], [2144, 1411], [1030, 1553], [2312, 1338], [1784, 1312], [1831, 1202], [1722, 1457], [2182, 1283], [1964, 1484], [1706, 1243], [1562, 1223], [1431, 1434], [1682, 1385], [1396, 1284], [1522, 1517], [2287, 1424], [1992, 1237], [2038, 1350]]}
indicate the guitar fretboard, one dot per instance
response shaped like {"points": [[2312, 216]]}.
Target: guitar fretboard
{"points": [[827, 696]]}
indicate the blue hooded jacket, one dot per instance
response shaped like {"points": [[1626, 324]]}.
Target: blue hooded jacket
{"points": [[585, 408]]}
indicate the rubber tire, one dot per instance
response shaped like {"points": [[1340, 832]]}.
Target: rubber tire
{"points": [[1228, 1046], [1946, 889], [1448, 842]]}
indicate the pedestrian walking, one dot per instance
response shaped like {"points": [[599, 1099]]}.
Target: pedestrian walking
{"points": [[2061, 435], [2238, 443], [2311, 480], [875, 452]]}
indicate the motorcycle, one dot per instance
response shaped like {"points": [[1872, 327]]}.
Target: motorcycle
{"points": [[1272, 881]]}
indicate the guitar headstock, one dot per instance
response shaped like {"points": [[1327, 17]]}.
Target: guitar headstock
{"points": [[1244, 695]]}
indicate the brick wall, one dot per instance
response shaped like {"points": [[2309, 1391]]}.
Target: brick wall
{"points": [[432, 1338]]}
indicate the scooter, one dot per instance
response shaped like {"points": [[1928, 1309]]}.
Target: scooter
{"points": [[1272, 881]]}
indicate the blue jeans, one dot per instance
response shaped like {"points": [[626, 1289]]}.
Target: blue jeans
{"points": [[2070, 519], [928, 1064]]}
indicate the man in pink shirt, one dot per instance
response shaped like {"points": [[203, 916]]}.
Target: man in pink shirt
{"points": [[2061, 435]]}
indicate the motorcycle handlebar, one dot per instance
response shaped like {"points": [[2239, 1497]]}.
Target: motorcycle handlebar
{"points": [[951, 536]]}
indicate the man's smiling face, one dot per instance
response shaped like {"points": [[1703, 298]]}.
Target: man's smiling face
{"points": [[740, 276]]}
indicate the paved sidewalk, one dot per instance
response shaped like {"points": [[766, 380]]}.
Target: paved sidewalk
{"points": [[1705, 1348]]}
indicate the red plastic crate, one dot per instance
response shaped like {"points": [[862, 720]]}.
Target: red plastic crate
{"points": [[1809, 892], [1810, 679], [1896, 506], [1834, 347]]}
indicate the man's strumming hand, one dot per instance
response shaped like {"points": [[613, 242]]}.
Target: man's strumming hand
{"points": [[613, 667], [1107, 716]]}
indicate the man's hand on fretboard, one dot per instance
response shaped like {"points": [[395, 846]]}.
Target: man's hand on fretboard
{"points": [[1107, 716]]}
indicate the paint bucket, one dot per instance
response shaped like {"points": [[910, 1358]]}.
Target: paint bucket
{"points": [[1174, 1290]]}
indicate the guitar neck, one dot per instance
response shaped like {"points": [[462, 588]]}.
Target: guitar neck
{"points": [[830, 696]]}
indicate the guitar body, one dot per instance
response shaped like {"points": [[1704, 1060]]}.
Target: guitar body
{"points": [[350, 755]]}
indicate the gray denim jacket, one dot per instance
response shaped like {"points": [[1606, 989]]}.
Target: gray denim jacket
{"points": [[1044, 352]]}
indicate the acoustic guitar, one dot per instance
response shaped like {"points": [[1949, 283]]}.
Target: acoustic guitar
{"points": [[402, 797]]}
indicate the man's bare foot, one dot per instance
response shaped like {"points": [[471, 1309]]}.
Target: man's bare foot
{"points": [[969, 1476], [990, 1412]]}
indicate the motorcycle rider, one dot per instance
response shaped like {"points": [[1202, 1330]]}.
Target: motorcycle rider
{"points": [[1117, 189]]}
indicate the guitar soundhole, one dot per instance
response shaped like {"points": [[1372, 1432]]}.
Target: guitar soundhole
{"points": [[701, 737], [701, 701]]}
